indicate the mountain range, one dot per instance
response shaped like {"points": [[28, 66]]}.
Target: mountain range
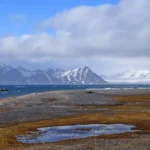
{"points": [[20, 75], [129, 76], [12, 75]]}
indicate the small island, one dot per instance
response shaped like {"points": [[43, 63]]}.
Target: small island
{"points": [[3, 90]]}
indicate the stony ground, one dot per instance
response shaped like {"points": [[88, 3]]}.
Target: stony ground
{"points": [[46, 105]]}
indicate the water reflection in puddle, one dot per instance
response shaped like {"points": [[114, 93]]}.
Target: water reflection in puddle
{"points": [[58, 133]]}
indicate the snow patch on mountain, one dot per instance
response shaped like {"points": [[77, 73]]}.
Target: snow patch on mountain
{"points": [[48, 77]]}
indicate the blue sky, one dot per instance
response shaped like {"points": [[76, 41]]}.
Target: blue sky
{"points": [[33, 11]]}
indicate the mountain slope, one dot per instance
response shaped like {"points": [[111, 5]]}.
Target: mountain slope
{"points": [[134, 76], [11, 75]]}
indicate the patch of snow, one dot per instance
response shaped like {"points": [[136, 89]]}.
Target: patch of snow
{"points": [[48, 77]]}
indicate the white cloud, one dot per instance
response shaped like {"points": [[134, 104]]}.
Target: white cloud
{"points": [[105, 32]]}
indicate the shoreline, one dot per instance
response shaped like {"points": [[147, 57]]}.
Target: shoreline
{"points": [[15, 91], [102, 90]]}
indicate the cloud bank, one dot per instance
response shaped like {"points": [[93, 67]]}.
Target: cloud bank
{"points": [[103, 32]]}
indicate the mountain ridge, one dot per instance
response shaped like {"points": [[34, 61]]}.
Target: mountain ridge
{"points": [[20, 75]]}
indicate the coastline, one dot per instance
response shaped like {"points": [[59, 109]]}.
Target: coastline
{"points": [[130, 106], [16, 90]]}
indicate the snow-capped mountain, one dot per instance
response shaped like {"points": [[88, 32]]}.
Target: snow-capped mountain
{"points": [[11, 75], [81, 76], [134, 76]]}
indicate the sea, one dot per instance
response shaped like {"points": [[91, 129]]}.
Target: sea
{"points": [[19, 90]]}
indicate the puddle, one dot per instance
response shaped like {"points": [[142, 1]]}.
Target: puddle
{"points": [[58, 133]]}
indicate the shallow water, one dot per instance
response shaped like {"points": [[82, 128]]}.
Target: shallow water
{"points": [[58, 133]]}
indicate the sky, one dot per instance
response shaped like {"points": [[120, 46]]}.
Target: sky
{"points": [[109, 36]]}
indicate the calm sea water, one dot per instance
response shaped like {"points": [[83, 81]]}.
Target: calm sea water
{"points": [[17, 90]]}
